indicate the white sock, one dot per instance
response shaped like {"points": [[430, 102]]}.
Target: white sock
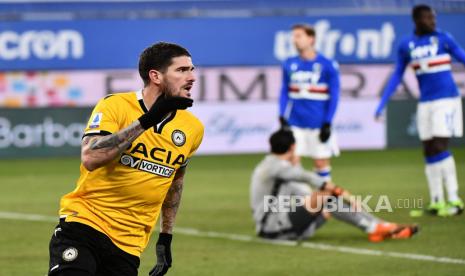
{"points": [[449, 175], [324, 173], [434, 178]]}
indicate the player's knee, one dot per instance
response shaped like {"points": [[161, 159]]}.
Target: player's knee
{"points": [[441, 144], [429, 151], [321, 163], [434, 146]]}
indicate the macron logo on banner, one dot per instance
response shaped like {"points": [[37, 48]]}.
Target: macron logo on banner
{"points": [[43, 44], [359, 43]]}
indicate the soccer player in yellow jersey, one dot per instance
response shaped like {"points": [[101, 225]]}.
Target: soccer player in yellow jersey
{"points": [[134, 155]]}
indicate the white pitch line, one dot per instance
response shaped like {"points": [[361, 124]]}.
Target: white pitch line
{"points": [[29, 217], [246, 238], [321, 246]]}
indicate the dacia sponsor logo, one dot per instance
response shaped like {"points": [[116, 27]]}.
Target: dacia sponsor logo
{"points": [[159, 154], [145, 165], [41, 44], [161, 163]]}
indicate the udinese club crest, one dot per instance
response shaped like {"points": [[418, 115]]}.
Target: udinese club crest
{"points": [[70, 254], [178, 137]]}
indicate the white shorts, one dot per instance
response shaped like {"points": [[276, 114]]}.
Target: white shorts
{"points": [[308, 144], [440, 118]]}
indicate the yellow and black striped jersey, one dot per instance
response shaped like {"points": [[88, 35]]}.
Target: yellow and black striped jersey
{"points": [[123, 199]]}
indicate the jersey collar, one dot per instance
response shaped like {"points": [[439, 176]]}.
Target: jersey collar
{"points": [[158, 128], [140, 99]]}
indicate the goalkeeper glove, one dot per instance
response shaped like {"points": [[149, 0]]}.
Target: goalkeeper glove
{"points": [[325, 132], [338, 191], [284, 124], [162, 106], [163, 251]]}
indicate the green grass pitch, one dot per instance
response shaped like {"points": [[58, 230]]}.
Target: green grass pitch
{"points": [[216, 199]]}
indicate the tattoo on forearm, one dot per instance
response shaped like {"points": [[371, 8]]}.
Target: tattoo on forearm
{"points": [[171, 204], [121, 140]]}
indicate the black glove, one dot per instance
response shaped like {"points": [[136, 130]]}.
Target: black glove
{"points": [[325, 132], [163, 251], [162, 106], [284, 124]]}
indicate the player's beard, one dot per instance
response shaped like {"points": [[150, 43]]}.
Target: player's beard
{"points": [[167, 90]]}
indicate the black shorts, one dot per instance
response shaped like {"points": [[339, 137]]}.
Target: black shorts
{"points": [[77, 247]]}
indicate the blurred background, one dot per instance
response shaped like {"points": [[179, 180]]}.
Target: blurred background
{"points": [[58, 58]]}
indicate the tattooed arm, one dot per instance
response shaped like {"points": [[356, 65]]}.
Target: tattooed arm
{"points": [[97, 151], [172, 201]]}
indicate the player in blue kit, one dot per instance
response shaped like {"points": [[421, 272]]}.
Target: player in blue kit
{"points": [[439, 112], [309, 98]]}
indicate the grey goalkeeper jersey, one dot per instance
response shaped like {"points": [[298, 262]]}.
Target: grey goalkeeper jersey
{"points": [[294, 181]]}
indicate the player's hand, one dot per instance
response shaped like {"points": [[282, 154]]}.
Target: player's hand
{"points": [[163, 251], [162, 106], [333, 189], [325, 132], [284, 125], [379, 117], [379, 114], [337, 191], [328, 186]]}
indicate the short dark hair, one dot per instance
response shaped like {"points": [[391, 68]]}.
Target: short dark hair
{"points": [[281, 141], [159, 57], [307, 28], [418, 9]]}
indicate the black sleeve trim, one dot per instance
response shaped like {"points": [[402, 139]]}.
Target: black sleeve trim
{"points": [[142, 105], [167, 120], [185, 163], [100, 133]]}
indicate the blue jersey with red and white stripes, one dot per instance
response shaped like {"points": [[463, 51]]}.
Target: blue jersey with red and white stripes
{"points": [[430, 56], [310, 91]]}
